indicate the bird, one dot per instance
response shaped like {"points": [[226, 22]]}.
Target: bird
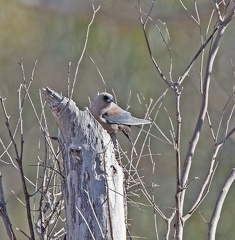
{"points": [[112, 117]]}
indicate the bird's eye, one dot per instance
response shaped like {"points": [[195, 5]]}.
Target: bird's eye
{"points": [[108, 99]]}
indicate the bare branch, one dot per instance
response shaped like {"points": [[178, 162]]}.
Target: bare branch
{"points": [[213, 165], [217, 10], [143, 23], [4, 214], [168, 221], [191, 15], [204, 105], [206, 183], [68, 79], [178, 161], [186, 72], [95, 10], [212, 226], [99, 72]]}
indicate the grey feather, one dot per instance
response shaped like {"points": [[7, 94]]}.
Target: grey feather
{"points": [[124, 118]]}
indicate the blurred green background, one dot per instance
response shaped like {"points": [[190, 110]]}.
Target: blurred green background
{"points": [[53, 32]]}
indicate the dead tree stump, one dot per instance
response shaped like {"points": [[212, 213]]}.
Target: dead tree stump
{"points": [[93, 180]]}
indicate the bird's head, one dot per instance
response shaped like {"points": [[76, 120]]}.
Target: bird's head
{"points": [[101, 102], [108, 98]]}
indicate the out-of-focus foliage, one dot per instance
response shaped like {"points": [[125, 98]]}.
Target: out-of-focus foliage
{"points": [[54, 35]]}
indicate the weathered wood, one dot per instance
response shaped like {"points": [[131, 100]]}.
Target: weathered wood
{"points": [[93, 183]]}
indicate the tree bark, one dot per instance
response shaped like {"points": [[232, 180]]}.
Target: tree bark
{"points": [[93, 180]]}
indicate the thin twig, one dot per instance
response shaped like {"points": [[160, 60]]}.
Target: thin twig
{"points": [[186, 72], [19, 160], [101, 76], [143, 24], [204, 105], [93, 210], [4, 213], [68, 79], [92, 235], [84, 49]]}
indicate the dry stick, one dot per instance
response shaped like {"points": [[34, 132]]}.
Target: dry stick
{"points": [[4, 214], [143, 143], [93, 210], [40, 226], [203, 51], [13, 135], [68, 78], [206, 184], [203, 110], [36, 189], [143, 24], [156, 137], [47, 143], [172, 129], [167, 46], [212, 168], [148, 197], [163, 38], [151, 56], [195, 138], [217, 10], [83, 50], [178, 158], [56, 223], [18, 121], [22, 103], [212, 226], [44, 130], [24, 80], [128, 100], [19, 160], [92, 235], [202, 62], [160, 99], [143, 189], [153, 194], [154, 120], [168, 222], [222, 117], [228, 122], [202, 114], [5, 151], [26, 235], [186, 72], [99, 72], [54, 212], [11, 159], [210, 126], [186, 9]]}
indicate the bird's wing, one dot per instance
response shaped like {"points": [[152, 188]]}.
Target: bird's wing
{"points": [[124, 118]]}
